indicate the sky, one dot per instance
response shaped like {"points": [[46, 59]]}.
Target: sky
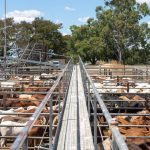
{"points": [[67, 12]]}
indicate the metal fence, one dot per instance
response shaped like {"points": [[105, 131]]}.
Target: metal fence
{"points": [[118, 141], [134, 72], [62, 82]]}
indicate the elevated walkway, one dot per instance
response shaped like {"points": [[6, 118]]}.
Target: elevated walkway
{"points": [[75, 131]]}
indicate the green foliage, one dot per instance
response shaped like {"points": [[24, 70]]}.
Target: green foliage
{"points": [[116, 33], [39, 31]]}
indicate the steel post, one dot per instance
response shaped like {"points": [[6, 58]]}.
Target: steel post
{"points": [[51, 124], [95, 123], [89, 98], [59, 98], [25, 144], [114, 144]]}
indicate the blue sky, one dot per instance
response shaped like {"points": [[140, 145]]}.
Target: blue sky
{"points": [[68, 12]]}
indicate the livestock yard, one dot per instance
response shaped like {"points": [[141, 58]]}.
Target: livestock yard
{"points": [[125, 91], [106, 107], [66, 79]]}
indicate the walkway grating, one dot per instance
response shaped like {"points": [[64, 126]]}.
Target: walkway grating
{"points": [[75, 132]]}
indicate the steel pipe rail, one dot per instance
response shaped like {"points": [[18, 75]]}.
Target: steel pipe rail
{"points": [[21, 139], [118, 139]]}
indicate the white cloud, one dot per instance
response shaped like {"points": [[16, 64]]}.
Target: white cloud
{"points": [[69, 8], [64, 33], [83, 19], [26, 15], [148, 24], [57, 21], [143, 1]]}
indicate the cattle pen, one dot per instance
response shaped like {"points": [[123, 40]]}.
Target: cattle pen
{"points": [[77, 107]]}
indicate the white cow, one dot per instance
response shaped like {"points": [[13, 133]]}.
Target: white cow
{"points": [[8, 127], [27, 96], [8, 85], [7, 131]]}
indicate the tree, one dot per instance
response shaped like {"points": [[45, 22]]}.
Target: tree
{"points": [[86, 43], [122, 19], [116, 33], [47, 33], [39, 31], [10, 34]]}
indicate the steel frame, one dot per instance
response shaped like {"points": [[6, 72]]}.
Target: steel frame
{"points": [[63, 80], [117, 139]]}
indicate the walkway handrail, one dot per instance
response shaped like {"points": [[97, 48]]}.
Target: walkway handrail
{"points": [[119, 140], [24, 133]]}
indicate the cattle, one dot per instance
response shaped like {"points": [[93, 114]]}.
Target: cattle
{"points": [[25, 100], [17, 103], [26, 103], [105, 144], [7, 84], [14, 131], [23, 96], [57, 107], [48, 82], [5, 112], [138, 144], [45, 76]]}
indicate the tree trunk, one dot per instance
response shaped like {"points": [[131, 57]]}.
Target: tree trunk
{"points": [[93, 61], [120, 56]]}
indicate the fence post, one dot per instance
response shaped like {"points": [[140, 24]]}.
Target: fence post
{"points": [[89, 98], [100, 69], [59, 98], [114, 144], [25, 145], [95, 123], [51, 124]]}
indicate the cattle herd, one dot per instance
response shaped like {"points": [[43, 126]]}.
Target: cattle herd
{"points": [[128, 102], [20, 96]]}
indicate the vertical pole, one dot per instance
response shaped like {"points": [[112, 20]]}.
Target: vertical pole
{"points": [[5, 32], [89, 98], [146, 72], [100, 69], [128, 87], [4, 101], [118, 81], [95, 123], [33, 79], [136, 72], [51, 124], [64, 85], [146, 102], [59, 100], [22, 87], [114, 144], [5, 46], [25, 145], [66, 77], [40, 63], [124, 70]]}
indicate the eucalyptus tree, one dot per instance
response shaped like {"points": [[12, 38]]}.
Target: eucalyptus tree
{"points": [[40, 31], [116, 33], [86, 42], [9, 36], [47, 33], [121, 25]]}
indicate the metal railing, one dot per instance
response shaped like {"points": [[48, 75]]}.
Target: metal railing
{"points": [[62, 81], [117, 139]]}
